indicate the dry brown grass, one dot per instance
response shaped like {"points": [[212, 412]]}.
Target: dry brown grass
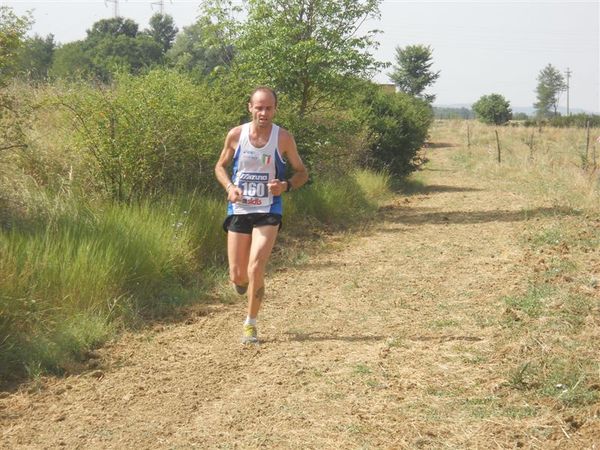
{"points": [[547, 163]]}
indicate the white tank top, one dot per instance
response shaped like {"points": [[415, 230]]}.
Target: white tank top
{"points": [[253, 168]]}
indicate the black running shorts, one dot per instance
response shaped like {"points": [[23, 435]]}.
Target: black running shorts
{"points": [[244, 223]]}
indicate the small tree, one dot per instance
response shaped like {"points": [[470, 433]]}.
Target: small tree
{"points": [[12, 33], [412, 72], [493, 109], [550, 85], [13, 115], [398, 124]]}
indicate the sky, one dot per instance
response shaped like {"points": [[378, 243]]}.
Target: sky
{"points": [[479, 47]]}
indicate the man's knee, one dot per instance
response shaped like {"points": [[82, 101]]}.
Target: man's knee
{"points": [[256, 269], [238, 275]]}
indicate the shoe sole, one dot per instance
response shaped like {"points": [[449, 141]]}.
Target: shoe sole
{"points": [[240, 289]]}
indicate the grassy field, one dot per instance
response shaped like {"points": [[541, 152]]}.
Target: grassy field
{"points": [[559, 165], [554, 322]]}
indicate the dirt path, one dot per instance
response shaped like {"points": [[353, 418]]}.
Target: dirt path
{"points": [[391, 341]]}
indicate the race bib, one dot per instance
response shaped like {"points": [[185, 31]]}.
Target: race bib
{"points": [[254, 188]]}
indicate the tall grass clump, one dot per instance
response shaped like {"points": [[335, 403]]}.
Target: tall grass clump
{"points": [[376, 186], [68, 282], [339, 202]]}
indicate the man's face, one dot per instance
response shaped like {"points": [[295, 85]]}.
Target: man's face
{"points": [[262, 107]]}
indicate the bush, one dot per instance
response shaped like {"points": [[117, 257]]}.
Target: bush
{"points": [[331, 142], [149, 135], [398, 125], [493, 109]]}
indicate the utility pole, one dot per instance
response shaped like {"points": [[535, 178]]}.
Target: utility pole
{"points": [[161, 6], [568, 76], [116, 7]]}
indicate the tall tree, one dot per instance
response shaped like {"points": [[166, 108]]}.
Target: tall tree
{"points": [[307, 49], [72, 61], [493, 109], [35, 57], [412, 71], [163, 30], [194, 49], [110, 44], [116, 26], [551, 83], [124, 52]]}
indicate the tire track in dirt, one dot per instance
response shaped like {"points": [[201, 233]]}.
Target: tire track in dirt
{"points": [[368, 346]]}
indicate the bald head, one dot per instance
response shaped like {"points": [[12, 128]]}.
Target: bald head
{"points": [[265, 90]]}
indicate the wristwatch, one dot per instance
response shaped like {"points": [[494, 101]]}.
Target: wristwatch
{"points": [[289, 186]]}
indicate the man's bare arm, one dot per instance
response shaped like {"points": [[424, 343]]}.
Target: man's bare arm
{"points": [[231, 141]]}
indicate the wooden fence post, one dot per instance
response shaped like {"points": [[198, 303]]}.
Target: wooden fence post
{"points": [[587, 145], [530, 145], [468, 135], [498, 145]]}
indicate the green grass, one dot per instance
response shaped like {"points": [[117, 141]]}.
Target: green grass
{"points": [[362, 369], [567, 380], [374, 185], [444, 323], [551, 236], [338, 202], [532, 302], [75, 271], [65, 283]]}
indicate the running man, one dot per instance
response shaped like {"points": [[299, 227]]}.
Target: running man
{"points": [[259, 151]]}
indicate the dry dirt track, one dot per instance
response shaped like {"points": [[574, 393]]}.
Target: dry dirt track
{"points": [[387, 341]]}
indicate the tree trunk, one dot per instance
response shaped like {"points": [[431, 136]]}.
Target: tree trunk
{"points": [[305, 98]]}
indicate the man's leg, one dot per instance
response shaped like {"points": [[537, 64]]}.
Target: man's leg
{"points": [[238, 253], [263, 239]]}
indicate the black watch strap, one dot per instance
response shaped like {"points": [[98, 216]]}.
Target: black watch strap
{"points": [[289, 186]]}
